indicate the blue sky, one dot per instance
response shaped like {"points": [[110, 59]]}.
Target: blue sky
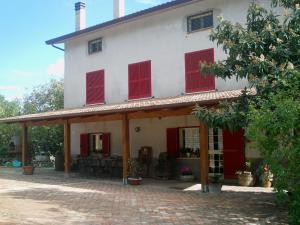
{"points": [[25, 60]]}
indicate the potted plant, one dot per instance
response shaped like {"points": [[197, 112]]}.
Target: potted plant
{"points": [[28, 169], [267, 177], [186, 174], [245, 177], [134, 172]]}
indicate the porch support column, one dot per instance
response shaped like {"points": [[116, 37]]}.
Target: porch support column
{"points": [[204, 156], [24, 144], [67, 152], [125, 146]]}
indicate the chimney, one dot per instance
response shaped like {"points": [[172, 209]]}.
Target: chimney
{"points": [[118, 8], [79, 16]]}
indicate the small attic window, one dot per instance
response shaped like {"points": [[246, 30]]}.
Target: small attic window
{"points": [[200, 21], [95, 46]]}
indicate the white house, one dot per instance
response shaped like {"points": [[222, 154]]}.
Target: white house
{"points": [[136, 78]]}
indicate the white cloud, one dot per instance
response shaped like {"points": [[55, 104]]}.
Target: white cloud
{"points": [[12, 92], [149, 2], [57, 68]]}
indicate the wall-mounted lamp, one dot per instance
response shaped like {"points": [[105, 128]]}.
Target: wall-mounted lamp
{"points": [[137, 129]]}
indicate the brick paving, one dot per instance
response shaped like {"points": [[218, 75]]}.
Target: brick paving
{"points": [[56, 200]]}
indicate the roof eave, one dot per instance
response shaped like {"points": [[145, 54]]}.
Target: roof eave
{"points": [[121, 20]]}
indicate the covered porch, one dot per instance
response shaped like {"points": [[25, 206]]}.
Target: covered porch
{"points": [[126, 114]]}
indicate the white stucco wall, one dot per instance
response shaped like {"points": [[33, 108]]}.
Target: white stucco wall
{"points": [[161, 38], [152, 133]]}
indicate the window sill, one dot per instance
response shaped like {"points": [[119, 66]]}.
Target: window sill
{"points": [[199, 92], [95, 104], [137, 99]]}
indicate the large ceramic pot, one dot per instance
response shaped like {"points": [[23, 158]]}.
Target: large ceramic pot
{"points": [[135, 181], [28, 170], [267, 184], [246, 179]]}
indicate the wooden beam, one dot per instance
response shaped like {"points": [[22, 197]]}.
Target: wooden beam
{"points": [[125, 146], [161, 113], [67, 152], [96, 118], [24, 144], [45, 122], [204, 169]]}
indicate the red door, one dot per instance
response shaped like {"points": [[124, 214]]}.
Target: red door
{"points": [[84, 145], [234, 153], [106, 144], [173, 142]]}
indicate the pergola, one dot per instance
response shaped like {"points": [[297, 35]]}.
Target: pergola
{"points": [[139, 109]]}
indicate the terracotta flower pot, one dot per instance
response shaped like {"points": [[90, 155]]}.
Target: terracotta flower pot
{"points": [[134, 181], [267, 184], [28, 170]]}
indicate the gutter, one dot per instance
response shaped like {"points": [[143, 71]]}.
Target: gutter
{"points": [[59, 48]]}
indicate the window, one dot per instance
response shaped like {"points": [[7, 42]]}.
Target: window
{"points": [[95, 87], [200, 21], [97, 143], [95, 46], [189, 142], [215, 152], [194, 81], [139, 80]]}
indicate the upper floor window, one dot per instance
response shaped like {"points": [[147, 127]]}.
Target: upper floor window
{"points": [[95, 46], [200, 21], [194, 80], [95, 87], [139, 80]]}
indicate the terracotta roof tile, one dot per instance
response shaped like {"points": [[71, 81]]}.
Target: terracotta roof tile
{"points": [[145, 104]]}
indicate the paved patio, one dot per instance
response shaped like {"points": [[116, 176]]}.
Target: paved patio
{"points": [[53, 199]]}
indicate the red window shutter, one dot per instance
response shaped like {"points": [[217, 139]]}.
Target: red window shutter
{"points": [[173, 142], [139, 80], [95, 87], [194, 80], [133, 80], [84, 145], [234, 152], [106, 144], [145, 79]]}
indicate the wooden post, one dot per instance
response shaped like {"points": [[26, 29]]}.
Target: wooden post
{"points": [[24, 145], [67, 152], [204, 168], [125, 147]]}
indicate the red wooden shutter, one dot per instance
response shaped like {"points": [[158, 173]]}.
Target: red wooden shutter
{"points": [[133, 80], [95, 87], [139, 80], [173, 142], [84, 145], [194, 80], [234, 152], [106, 144], [145, 79]]}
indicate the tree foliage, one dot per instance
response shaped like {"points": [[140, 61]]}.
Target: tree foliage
{"points": [[266, 52], [8, 109], [44, 98], [47, 97]]}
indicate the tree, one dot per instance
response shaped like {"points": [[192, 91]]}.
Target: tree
{"points": [[266, 52], [44, 98], [8, 109]]}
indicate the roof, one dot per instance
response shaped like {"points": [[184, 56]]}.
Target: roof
{"points": [[127, 18], [131, 106]]}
